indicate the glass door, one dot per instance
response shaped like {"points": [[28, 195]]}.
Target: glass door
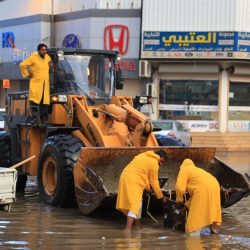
{"points": [[239, 106]]}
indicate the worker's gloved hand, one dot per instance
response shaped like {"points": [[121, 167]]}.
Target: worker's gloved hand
{"points": [[183, 210], [148, 191], [164, 200], [179, 205]]}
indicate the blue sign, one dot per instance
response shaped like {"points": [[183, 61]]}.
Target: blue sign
{"points": [[19, 55], [196, 44], [71, 41], [8, 40]]}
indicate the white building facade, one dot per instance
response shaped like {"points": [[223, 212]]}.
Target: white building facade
{"points": [[192, 56]]}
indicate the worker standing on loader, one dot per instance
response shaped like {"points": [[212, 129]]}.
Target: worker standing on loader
{"points": [[139, 175], [36, 68], [204, 203]]}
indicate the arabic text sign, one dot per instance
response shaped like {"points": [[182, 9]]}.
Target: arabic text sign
{"points": [[196, 44]]}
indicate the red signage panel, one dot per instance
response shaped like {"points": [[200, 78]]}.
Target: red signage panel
{"points": [[116, 37], [6, 83]]}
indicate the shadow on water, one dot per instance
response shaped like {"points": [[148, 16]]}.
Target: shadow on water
{"points": [[33, 225]]}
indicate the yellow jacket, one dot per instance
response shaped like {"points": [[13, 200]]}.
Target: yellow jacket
{"points": [[204, 190], [37, 69], [140, 173]]}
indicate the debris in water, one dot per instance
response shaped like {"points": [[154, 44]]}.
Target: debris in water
{"points": [[228, 237], [162, 237]]}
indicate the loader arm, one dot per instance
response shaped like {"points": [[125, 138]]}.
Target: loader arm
{"points": [[112, 125], [138, 124], [91, 130]]}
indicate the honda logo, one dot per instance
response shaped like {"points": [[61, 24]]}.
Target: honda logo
{"points": [[116, 37]]}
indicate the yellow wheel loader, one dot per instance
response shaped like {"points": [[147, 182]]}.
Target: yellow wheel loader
{"points": [[89, 135]]}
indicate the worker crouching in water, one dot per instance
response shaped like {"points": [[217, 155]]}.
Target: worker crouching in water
{"points": [[204, 208], [139, 175]]}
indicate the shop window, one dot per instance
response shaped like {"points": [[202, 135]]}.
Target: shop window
{"points": [[188, 99], [239, 106], [239, 93], [189, 91]]}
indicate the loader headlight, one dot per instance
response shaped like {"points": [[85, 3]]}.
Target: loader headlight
{"points": [[60, 53], [62, 98], [59, 98], [144, 99]]}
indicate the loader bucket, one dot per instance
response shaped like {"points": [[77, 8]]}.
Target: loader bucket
{"points": [[97, 172]]}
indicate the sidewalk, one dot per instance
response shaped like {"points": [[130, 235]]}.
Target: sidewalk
{"points": [[224, 142]]}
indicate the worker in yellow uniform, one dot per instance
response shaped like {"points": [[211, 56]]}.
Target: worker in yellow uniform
{"points": [[204, 207], [36, 68], [139, 175]]}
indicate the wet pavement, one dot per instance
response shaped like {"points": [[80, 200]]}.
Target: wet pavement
{"points": [[239, 161], [32, 225]]}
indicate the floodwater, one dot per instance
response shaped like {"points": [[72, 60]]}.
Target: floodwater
{"points": [[32, 225]]}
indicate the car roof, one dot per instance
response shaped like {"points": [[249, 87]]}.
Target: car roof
{"points": [[163, 121], [169, 139]]}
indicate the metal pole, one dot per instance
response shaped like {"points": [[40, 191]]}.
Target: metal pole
{"points": [[23, 162], [52, 28]]}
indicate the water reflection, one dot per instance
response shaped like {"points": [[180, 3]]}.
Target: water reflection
{"points": [[128, 242], [200, 243], [31, 225]]}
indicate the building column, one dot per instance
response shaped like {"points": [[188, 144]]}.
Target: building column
{"points": [[155, 95], [223, 101]]}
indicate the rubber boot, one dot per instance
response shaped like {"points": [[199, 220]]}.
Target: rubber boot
{"points": [[35, 116], [44, 112]]}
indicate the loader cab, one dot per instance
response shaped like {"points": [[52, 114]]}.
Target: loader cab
{"points": [[93, 74]]}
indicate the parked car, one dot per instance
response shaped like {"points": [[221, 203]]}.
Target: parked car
{"points": [[164, 140], [172, 128]]}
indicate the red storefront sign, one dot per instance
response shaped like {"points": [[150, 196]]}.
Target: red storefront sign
{"points": [[126, 65], [116, 36]]}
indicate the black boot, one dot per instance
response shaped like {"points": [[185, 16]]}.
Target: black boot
{"points": [[35, 116], [44, 113]]}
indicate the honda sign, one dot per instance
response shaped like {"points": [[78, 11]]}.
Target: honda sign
{"points": [[116, 37]]}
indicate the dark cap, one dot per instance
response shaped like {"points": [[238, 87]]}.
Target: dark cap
{"points": [[162, 154], [41, 45]]}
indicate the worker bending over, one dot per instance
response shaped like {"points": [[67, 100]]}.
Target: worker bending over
{"points": [[204, 207], [139, 175]]}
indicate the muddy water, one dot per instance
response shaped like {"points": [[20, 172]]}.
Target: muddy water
{"points": [[31, 225]]}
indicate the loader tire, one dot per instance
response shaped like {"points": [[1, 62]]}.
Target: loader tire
{"points": [[55, 171], [5, 159]]}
